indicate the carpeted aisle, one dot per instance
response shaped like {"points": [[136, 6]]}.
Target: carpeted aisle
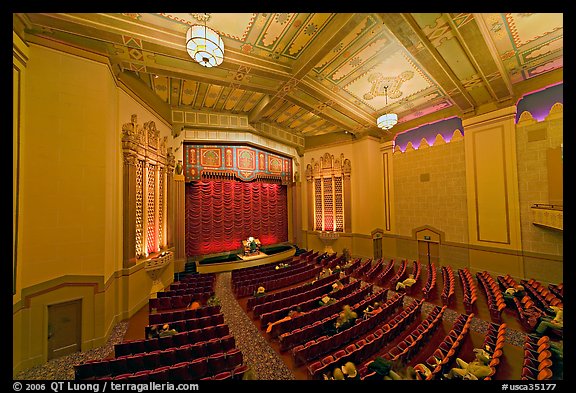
{"points": [[258, 354]]}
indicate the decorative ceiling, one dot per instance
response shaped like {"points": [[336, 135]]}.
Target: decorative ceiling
{"points": [[319, 73]]}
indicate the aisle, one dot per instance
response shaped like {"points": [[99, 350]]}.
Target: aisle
{"points": [[258, 354]]}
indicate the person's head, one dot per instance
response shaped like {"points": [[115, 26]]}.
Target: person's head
{"points": [[482, 355], [519, 288], [335, 286], [337, 374], [410, 275], [376, 304], [349, 369], [261, 289], [337, 267], [165, 326]]}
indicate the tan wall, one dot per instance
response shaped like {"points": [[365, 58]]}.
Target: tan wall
{"points": [[70, 216], [533, 141], [68, 177], [430, 189]]}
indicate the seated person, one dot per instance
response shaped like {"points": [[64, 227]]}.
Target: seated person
{"points": [[345, 319], [349, 371], [512, 292], [419, 371], [336, 270], [194, 305], [326, 300], [153, 332], [338, 375], [261, 291], [553, 323], [291, 314], [166, 331], [371, 310], [477, 369], [337, 286], [407, 283]]}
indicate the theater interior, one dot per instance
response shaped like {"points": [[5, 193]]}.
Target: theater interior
{"points": [[168, 165]]}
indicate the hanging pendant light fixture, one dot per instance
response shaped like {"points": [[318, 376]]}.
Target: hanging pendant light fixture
{"points": [[387, 120], [204, 45]]}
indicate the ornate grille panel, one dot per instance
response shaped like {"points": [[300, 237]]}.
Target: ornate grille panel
{"points": [[150, 235], [139, 207], [328, 205], [161, 205], [328, 179], [338, 202], [318, 204]]}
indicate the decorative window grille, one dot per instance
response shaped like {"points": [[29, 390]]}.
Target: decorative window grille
{"points": [[139, 208], [151, 228], [328, 192], [161, 206]]}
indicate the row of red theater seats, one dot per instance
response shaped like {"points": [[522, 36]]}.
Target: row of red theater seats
{"points": [[302, 335], [224, 365], [288, 301], [310, 351], [410, 346], [186, 325], [151, 360], [308, 304], [195, 336], [266, 270], [254, 301], [361, 270], [360, 350], [252, 269], [469, 289], [389, 269], [405, 350], [448, 291], [449, 347], [208, 277], [185, 291], [374, 271], [538, 359], [494, 295], [192, 284], [175, 302], [430, 281], [169, 316], [350, 294], [494, 339], [274, 282], [399, 274], [272, 274], [541, 294]]}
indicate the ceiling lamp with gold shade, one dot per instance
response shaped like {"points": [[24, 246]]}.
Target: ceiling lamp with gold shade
{"points": [[204, 45], [387, 120]]}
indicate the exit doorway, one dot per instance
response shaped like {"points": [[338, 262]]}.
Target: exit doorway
{"points": [[429, 251], [64, 328]]}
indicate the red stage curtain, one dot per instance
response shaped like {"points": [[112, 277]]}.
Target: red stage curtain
{"points": [[222, 213]]}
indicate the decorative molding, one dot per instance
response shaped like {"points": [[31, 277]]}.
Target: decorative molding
{"points": [[424, 144]]}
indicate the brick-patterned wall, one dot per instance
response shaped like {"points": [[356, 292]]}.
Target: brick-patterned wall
{"points": [[532, 144], [430, 189]]}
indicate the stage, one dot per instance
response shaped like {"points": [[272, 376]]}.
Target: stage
{"points": [[246, 261]]}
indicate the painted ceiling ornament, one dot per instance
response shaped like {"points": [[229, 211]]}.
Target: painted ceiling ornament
{"points": [[393, 84], [201, 17]]}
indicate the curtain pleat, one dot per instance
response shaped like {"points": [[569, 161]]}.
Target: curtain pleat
{"points": [[221, 213]]}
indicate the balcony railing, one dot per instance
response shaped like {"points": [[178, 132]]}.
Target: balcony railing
{"points": [[548, 216]]}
